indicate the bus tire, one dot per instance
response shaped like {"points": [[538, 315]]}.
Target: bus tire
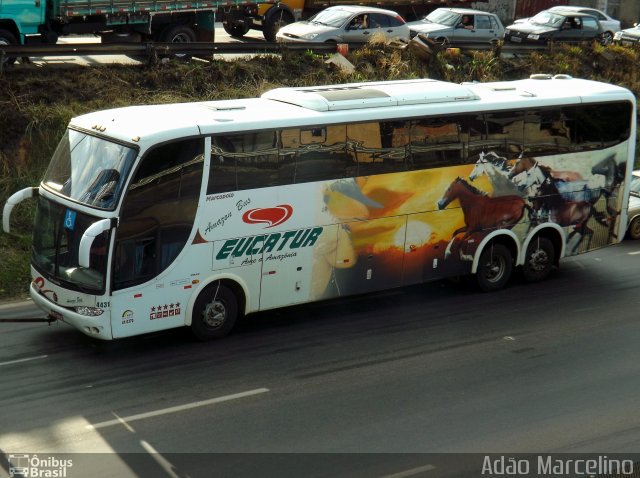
{"points": [[274, 22], [214, 313], [538, 260], [494, 268], [8, 38]]}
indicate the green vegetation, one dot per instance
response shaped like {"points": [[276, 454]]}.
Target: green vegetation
{"points": [[37, 103]]}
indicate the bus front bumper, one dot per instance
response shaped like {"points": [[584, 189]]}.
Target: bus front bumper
{"points": [[98, 327]]}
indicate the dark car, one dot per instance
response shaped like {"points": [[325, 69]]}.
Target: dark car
{"points": [[564, 26], [630, 36]]}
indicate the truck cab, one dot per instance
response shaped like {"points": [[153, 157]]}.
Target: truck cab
{"points": [[19, 18]]}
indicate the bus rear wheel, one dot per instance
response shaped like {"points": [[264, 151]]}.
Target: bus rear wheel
{"points": [[215, 312], [494, 268], [538, 260]]}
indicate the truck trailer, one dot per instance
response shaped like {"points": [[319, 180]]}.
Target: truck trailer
{"points": [[28, 21]]}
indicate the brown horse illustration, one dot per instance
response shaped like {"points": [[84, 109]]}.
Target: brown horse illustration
{"points": [[481, 212]]}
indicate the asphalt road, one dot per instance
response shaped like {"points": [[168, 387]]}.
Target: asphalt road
{"points": [[375, 385]]}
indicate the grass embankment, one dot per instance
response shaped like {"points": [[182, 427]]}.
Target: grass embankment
{"points": [[37, 103]]}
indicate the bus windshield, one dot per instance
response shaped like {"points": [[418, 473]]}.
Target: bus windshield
{"points": [[89, 169], [56, 239]]}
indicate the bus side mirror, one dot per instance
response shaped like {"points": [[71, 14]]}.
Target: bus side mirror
{"points": [[13, 200], [93, 231]]}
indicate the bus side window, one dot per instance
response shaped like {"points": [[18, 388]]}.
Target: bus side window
{"points": [[222, 171], [321, 153], [549, 131], [505, 134], [601, 126], [434, 142], [257, 160], [135, 261], [474, 133], [375, 148]]}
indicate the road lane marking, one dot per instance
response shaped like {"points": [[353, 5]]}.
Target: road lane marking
{"points": [[633, 253], [123, 423], [11, 362], [178, 408], [160, 460], [411, 472]]}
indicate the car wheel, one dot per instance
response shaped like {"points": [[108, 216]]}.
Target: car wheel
{"points": [[606, 38], [634, 228]]}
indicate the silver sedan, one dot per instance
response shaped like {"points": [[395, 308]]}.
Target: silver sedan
{"points": [[459, 25], [346, 24]]}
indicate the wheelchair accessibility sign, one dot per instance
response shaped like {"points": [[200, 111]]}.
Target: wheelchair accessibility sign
{"points": [[70, 220]]}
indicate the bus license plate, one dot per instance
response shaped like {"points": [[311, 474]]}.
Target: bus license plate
{"points": [[516, 39]]}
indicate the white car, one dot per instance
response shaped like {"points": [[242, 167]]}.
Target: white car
{"points": [[609, 25], [633, 228], [346, 24]]}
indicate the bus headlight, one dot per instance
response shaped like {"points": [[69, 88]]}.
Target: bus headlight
{"points": [[89, 311], [533, 36]]}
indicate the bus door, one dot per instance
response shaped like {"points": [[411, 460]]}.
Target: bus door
{"points": [[156, 221]]}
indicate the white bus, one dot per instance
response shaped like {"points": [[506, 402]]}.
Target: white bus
{"points": [[154, 217]]}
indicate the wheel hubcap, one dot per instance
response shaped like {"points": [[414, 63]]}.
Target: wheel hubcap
{"points": [[538, 260], [495, 269], [214, 314], [181, 38]]}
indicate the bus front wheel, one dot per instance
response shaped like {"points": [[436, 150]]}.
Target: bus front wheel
{"points": [[215, 312], [494, 268], [539, 260]]}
